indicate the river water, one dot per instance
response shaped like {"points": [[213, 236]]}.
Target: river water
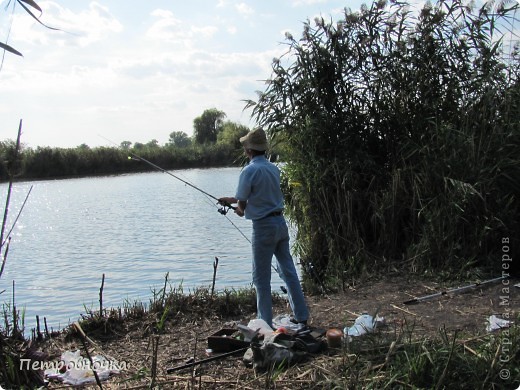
{"points": [[133, 228]]}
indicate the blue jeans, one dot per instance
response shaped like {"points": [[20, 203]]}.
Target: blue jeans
{"points": [[271, 237]]}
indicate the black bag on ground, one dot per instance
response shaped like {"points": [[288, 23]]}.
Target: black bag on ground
{"points": [[281, 350]]}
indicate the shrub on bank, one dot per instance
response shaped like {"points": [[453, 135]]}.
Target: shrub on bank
{"points": [[47, 162], [402, 137]]}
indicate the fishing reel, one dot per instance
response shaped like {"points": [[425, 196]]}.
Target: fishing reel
{"points": [[223, 209]]}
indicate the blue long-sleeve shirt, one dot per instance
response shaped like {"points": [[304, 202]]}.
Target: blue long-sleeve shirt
{"points": [[259, 186]]}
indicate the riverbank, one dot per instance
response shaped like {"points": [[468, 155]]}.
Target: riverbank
{"points": [[439, 341]]}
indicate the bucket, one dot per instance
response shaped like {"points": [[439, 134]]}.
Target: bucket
{"points": [[334, 338]]}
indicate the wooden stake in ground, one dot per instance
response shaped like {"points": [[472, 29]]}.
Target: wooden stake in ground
{"points": [[155, 351], [83, 338], [215, 265], [101, 296]]}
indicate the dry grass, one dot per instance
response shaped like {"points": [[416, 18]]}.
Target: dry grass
{"points": [[440, 343]]}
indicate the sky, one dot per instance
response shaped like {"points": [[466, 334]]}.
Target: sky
{"points": [[138, 70]]}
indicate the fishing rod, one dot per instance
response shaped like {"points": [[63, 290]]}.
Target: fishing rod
{"points": [[450, 291], [210, 359], [225, 205], [222, 210]]}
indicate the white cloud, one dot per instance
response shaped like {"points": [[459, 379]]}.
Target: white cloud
{"points": [[75, 29], [299, 3], [232, 30], [135, 72], [204, 32], [167, 27], [244, 9], [170, 29]]}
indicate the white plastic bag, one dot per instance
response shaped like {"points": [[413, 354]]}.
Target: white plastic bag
{"points": [[73, 369], [363, 324], [495, 323], [261, 325]]}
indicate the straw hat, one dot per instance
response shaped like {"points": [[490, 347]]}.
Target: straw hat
{"points": [[255, 140]]}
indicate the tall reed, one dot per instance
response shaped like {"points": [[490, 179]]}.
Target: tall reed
{"points": [[12, 341], [47, 162], [401, 134]]}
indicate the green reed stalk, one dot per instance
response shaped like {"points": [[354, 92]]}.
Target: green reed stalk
{"points": [[400, 134]]}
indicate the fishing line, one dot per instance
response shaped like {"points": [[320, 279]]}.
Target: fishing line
{"points": [[230, 221], [242, 233], [248, 240], [222, 210]]}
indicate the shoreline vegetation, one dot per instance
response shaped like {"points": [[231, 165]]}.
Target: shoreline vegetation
{"points": [[400, 134], [45, 163], [148, 339], [215, 143]]}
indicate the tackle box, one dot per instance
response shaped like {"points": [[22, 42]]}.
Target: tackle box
{"points": [[226, 340]]}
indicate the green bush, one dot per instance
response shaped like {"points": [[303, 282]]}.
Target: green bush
{"points": [[47, 162], [401, 137]]}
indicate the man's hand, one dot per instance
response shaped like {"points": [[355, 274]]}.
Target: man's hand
{"points": [[241, 206], [239, 211]]}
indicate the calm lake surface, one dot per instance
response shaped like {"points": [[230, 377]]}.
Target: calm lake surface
{"points": [[133, 228]]}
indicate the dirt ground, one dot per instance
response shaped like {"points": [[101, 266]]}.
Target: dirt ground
{"points": [[466, 311]]}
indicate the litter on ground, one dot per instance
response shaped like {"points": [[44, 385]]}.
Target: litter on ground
{"points": [[495, 323], [75, 370], [363, 324]]}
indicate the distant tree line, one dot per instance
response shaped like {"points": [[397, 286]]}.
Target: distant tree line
{"points": [[215, 142]]}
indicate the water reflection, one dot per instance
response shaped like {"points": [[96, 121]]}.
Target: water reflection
{"points": [[132, 228]]}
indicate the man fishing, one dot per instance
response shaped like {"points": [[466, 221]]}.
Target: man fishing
{"points": [[260, 199]]}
